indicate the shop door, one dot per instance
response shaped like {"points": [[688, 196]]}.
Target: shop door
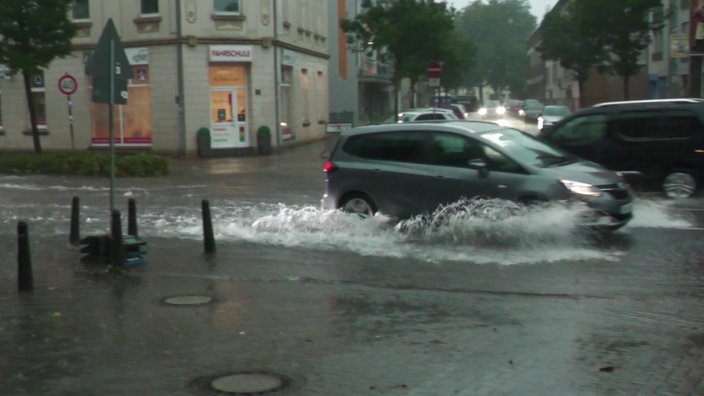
{"points": [[229, 115]]}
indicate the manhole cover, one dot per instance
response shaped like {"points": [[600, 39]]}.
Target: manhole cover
{"points": [[247, 383], [188, 300]]}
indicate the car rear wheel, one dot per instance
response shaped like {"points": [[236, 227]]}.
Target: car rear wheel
{"points": [[679, 184], [359, 204]]}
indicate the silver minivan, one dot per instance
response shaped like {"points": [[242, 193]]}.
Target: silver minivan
{"points": [[408, 169]]}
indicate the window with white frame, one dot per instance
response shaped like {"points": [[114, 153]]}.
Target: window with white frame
{"points": [[227, 7], [286, 101], [149, 7], [285, 8], [321, 87], [305, 88], [38, 89], [80, 10]]}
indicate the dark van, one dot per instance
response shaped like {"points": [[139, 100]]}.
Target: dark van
{"points": [[657, 144]]}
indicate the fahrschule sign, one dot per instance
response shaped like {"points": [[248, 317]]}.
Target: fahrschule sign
{"points": [[230, 53]]}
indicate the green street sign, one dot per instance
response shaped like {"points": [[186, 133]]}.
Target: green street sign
{"points": [[109, 64]]}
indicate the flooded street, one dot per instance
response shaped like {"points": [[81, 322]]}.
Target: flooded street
{"points": [[473, 305]]}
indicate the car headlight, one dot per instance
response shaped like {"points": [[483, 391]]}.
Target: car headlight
{"points": [[500, 110], [521, 112], [482, 111], [581, 188], [540, 122]]}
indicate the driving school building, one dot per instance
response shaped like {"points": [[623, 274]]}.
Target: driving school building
{"points": [[242, 73]]}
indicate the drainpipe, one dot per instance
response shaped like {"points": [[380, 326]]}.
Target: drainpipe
{"points": [[277, 71], [179, 71]]}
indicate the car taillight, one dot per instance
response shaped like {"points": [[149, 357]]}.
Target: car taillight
{"points": [[329, 167]]}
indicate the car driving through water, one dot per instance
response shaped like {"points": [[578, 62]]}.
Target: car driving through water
{"points": [[402, 170]]}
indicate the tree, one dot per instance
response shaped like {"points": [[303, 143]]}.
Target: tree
{"points": [[410, 33], [500, 30], [32, 34], [624, 31], [569, 36], [603, 34]]}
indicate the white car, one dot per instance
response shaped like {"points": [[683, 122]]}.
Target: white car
{"points": [[422, 114]]}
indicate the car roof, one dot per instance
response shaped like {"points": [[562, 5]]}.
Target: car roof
{"points": [[462, 126], [650, 101]]}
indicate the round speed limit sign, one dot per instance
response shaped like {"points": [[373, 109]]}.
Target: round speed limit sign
{"points": [[67, 84]]}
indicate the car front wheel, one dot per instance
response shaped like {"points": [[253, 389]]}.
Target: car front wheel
{"points": [[679, 184], [359, 204]]}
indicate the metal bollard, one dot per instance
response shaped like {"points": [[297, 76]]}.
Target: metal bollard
{"points": [[75, 235], [25, 280], [131, 217], [208, 238], [117, 253]]}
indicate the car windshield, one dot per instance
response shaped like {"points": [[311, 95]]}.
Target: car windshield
{"points": [[527, 149], [492, 103], [556, 111]]}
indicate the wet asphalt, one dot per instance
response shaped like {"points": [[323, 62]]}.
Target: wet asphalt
{"points": [[615, 315]]}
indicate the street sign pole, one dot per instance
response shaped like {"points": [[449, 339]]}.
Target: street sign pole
{"points": [[111, 132]]}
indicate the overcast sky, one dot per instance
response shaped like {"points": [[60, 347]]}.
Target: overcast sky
{"points": [[538, 7]]}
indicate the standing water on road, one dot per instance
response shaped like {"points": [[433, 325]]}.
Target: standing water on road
{"points": [[465, 233]]}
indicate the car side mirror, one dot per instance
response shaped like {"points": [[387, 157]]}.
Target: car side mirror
{"points": [[479, 165]]}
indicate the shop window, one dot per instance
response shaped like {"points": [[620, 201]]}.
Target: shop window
{"points": [[39, 96], [228, 7], [149, 7], [286, 92], [80, 10], [305, 87], [132, 122]]}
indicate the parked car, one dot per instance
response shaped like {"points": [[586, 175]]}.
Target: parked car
{"points": [[422, 114], [551, 115], [405, 169], [492, 110], [659, 143], [457, 109], [532, 109]]}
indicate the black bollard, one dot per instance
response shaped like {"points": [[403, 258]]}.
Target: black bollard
{"points": [[208, 239], [75, 235], [25, 280], [131, 217], [117, 252]]}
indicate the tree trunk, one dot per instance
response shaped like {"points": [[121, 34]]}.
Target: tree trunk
{"points": [[626, 93], [32, 112]]}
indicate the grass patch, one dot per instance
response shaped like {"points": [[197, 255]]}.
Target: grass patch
{"points": [[83, 164]]}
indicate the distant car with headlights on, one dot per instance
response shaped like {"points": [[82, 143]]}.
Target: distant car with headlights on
{"points": [[492, 110], [532, 109], [551, 115]]}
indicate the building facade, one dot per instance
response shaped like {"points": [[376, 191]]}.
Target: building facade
{"points": [[360, 81], [230, 68]]}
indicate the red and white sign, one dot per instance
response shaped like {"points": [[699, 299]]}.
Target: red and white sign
{"points": [[68, 84], [231, 53], [434, 69]]}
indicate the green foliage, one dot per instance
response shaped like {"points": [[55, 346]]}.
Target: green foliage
{"points": [[410, 33], [500, 30], [84, 164], [32, 34], [604, 34]]}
